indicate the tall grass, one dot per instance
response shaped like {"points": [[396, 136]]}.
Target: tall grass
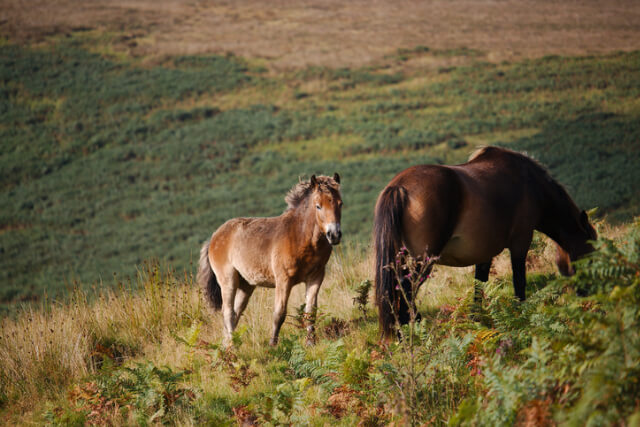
{"points": [[44, 350]]}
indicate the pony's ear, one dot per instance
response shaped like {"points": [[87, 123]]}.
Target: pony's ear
{"points": [[314, 181], [336, 177]]}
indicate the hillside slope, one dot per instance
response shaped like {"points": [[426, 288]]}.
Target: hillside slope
{"points": [[129, 130], [108, 161]]}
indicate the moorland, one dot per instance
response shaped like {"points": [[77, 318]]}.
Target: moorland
{"points": [[130, 132]]}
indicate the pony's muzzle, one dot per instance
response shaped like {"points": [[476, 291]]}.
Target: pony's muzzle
{"points": [[333, 233], [563, 261]]}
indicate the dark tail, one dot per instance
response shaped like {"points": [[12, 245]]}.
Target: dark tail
{"points": [[207, 279], [387, 237]]}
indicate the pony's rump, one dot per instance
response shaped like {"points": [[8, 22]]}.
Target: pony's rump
{"points": [[207, 279]]}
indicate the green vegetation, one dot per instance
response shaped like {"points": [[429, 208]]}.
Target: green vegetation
{"points": [[568, 355], [108, 160]]}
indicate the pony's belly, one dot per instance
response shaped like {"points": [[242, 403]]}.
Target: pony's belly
{"points": [[256, 277], [464, 251]]}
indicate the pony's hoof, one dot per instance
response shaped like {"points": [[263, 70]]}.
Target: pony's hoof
{"points": [[310, 342], [273, 343]]}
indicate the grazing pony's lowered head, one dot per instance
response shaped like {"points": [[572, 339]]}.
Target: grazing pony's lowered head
{"points": [[323, 195], [577, 244], [564, 222]]}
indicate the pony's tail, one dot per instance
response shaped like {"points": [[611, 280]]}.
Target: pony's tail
{"points": [[387, 243], [207, 279]]}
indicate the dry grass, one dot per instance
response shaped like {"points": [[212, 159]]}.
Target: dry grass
{"points": [[44, 350], [295, 34]]}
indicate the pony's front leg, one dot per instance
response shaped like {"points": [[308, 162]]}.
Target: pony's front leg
{"points": [[311, 309], [283, 290], [519, 267]]}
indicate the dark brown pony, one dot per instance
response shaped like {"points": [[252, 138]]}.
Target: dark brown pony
{"points": [[277, 252], [469, 213]]}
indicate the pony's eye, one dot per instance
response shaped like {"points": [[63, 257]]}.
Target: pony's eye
{"points": [[318, 207]]}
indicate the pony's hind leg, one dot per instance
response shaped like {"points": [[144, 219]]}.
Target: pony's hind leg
{"points": [[482, 274], [229, 283], [482, 271], [283, 290], [243, 294]]}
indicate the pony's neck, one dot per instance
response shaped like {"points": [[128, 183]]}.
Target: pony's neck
{"points": [[558, 219], [306, 227]]}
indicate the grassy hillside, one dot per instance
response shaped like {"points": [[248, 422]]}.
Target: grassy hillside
{"points": [[108, 160], [566, 356]]}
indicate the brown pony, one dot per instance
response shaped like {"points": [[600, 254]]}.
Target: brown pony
{"points": [[469, 213], [277, 252]]}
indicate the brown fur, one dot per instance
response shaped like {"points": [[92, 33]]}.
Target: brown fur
{"points": [[469, 213], [277, 252]]}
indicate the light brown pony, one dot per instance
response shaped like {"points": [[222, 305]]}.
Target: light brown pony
{"points": [[277, 252], [469, 213]]}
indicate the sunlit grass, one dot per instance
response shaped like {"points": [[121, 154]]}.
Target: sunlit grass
{"points": [[501, 137], [322, 148]]}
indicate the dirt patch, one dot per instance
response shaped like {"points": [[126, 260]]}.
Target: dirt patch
{"points": [[294, 34]]}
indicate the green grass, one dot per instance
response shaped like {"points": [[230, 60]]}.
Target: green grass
{"points": [[107, 160]]}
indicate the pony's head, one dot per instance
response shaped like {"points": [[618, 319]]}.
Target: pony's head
{"points": [[576, 242], [561, 218], [327, 203]]}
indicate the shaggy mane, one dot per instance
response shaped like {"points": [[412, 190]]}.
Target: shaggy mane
{"points": [[301, 190]]}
